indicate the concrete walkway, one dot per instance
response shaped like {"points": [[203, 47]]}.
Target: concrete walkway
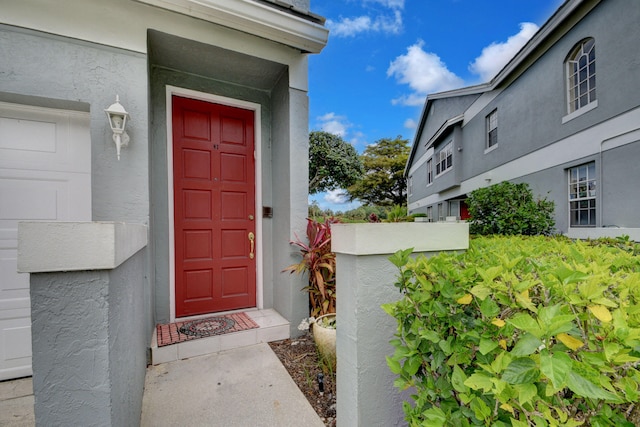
{"points": [[247, 386], [16, 403]]}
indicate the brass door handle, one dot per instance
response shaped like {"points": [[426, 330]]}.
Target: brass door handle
{"points": [[252, 239]]}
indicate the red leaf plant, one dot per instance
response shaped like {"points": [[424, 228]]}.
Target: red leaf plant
{"points": [[320, 264]]}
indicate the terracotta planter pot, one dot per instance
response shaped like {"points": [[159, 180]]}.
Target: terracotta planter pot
{"points": [[325, 339]]}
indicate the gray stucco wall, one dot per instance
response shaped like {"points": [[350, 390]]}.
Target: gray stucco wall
{"points": [[127, 340], [290, 169], [71, 70], [617, 204], [69, 313], [64, 73], [530, 110], [89, 347], [364, 281], [532, 107], [366, 395]]}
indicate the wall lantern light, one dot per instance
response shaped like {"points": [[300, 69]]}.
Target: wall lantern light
{"points": [[117, 116]]}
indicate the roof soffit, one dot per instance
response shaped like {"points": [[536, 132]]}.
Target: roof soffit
{"points": [[256, 18]]}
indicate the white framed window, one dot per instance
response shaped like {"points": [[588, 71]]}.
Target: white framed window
{"points": [[440, 212], [492, 130], [582, 195], [410, 185], [444, 159], [581, 76], [429, 214], [430, 171]]}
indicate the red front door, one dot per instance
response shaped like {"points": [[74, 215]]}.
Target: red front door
{"points": [[214, 207]]}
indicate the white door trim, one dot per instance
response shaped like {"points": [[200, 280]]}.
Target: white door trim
{"points": [[256, 108]]}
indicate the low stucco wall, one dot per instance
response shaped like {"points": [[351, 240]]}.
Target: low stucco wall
{"points": [[88, 328], [365, 392], [599, 232]]}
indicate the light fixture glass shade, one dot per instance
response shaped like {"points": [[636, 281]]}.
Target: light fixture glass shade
{"points": [[117, 116]]}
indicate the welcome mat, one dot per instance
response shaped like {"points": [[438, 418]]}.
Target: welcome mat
{"points": [[177, 332]]}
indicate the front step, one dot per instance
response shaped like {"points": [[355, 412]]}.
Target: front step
{"points": [[271, 327]]}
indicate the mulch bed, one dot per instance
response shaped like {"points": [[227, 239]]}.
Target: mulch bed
{"points": [[300, 358]]}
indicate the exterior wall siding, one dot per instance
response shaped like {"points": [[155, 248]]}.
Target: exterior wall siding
{"points": [[94, 74], [531, 109]]}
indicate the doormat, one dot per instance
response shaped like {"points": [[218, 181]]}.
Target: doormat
{"points": [[177, 332]]}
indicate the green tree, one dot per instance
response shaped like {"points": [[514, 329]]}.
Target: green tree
{"points": [[383, 182], [333, 162], [507, 208]]}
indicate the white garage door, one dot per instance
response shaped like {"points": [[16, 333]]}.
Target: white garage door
{"points": [[45, 174]]}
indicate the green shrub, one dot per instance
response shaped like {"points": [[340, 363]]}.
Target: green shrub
{"points": [[397, 213], [508, 208], [520, 331]]}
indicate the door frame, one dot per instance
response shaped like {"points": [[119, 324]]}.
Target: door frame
{"points": [[230, 102]]}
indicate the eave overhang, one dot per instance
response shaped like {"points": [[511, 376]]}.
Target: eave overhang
{"points": [[295, 28], [444, 128], [569, 13]]}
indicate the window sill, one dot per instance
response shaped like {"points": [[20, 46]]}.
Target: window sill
{"points": [[490, 149], [580, 112], [443, 173]]}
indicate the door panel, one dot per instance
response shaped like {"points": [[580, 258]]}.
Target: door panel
{"points": [[214, 201]]}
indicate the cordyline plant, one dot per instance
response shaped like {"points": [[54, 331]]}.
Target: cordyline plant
{"points": [[522, 332], [320, 264]]}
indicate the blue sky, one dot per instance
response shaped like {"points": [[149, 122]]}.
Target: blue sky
{"points": [[385, 56]]}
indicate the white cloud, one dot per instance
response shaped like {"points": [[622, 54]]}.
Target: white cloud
{"points": [[410, 124], [350, 27], [335, 124], [391, 4], [424, 72], [357, 139], [336, 197], [496, 55]]}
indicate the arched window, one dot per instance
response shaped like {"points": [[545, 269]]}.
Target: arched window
{"points": [[581, 75]]}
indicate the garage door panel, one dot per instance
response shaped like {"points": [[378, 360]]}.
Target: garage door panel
{"points": [[40, 138], [12, 283], [15, 347], [45, 174], [43, 139], [71, 191], [32, 199]]}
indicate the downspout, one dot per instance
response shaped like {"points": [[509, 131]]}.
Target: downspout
{"points": [[601, 191]]}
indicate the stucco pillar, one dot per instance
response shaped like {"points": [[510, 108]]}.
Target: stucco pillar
{"points": [[87, 321], [365, 392]]}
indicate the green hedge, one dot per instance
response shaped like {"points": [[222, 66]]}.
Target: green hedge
{"points": [[509, 209], [520, 331]]}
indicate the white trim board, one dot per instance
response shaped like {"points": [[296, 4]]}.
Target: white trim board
{"points": [[608, 135]]}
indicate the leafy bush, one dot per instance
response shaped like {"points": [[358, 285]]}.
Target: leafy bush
{"points": [[508, 208], [520, 331], [320, 264]]}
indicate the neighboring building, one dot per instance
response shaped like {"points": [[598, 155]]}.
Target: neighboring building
{"points": [[218, 211], [563, 115]]}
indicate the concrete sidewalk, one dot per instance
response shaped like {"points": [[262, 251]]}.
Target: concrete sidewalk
{"points": [[247, 386]]}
